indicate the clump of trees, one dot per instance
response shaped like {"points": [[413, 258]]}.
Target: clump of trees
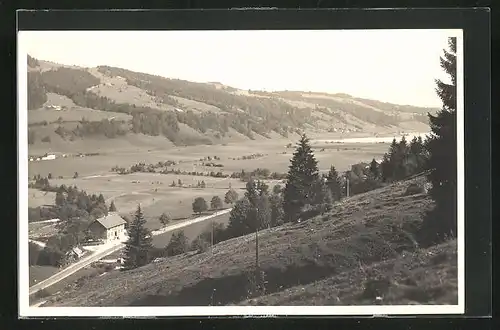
{"points": [[403, 159]]}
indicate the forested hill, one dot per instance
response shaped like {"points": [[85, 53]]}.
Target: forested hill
{"points": [[74, 103]]}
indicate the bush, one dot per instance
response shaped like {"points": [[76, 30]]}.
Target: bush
{"points": [[414, 189], [199, 244], [46, 139], [43, 293]]}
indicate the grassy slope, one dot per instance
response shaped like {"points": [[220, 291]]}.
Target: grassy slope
{"points": [[372, 230]]}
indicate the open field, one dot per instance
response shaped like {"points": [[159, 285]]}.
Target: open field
{"points": [[74, 114], [371, 231], [40, 273], [276, 159], [40, 198], [137, 143]]}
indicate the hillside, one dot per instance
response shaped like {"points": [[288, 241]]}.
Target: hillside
{"points": [[335, 258], [110, 103]]}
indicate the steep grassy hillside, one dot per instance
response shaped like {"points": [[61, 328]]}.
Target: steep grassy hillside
{"points": [[339, 257], [189, 113]]}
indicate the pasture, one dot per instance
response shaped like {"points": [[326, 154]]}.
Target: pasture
{"points": [[40, 198], [190, 158], [153, 192], [73, 114]]}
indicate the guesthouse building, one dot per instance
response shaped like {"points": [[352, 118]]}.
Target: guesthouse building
{"points": [[108, 228]]}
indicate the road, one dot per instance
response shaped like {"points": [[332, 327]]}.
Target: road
{"points": [[84, 262]]}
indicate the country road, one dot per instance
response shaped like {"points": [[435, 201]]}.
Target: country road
{"points": [[84, 262]]}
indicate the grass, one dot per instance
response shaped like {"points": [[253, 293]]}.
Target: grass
{"points": [[366, 235], [40, 273], [277, 157], [425, 276], [73, 114], [191, 231]]}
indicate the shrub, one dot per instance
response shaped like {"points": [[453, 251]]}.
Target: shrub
{"points": [[43, 293], [46, 139], [414, 189]]}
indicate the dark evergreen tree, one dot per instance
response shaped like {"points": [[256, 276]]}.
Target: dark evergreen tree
{"points": [[374, 170], [441, 145], [302, 181], [238, 224], [112, 207], [139, 243], [386, 169], [333, 184], [178, 244], [60, 199], [231, 196]]}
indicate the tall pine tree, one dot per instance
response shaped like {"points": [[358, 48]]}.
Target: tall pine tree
{"points": [[139, 243], [333, 183], [441, 145], [302, 181]]}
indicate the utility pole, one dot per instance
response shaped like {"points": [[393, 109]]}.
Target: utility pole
{"points": [[347, 182], [212, 238]]}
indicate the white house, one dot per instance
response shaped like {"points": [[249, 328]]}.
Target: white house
{"points": [[49, 157], [108, 228]]}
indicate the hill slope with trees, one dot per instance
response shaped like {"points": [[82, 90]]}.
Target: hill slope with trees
{"points": [[188, 113]]}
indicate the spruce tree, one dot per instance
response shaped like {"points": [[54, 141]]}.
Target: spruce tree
{"points": [[139, 243], [231, 196], [386, 168], [333, 184], [178, 244], [374, 170], [302, 181], [112, 207], [441, 145]]}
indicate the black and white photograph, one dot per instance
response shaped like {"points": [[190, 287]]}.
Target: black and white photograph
{"points": [[241, 172]]}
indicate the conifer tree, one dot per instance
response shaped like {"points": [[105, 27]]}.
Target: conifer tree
{"points": [[139, 243], [302, 181], [178, 244], [374, 170], [441, 145], [386, 168], [112, 207], [333, 184], [60, 199], [231, 196]]}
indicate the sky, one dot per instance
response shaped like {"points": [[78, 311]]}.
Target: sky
{"points": [[397, 66]]}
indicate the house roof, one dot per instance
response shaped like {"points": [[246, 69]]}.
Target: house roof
{"points": [[111, 220]]}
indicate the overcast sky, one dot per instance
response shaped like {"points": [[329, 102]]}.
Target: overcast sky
{"points": [[397, 66]]}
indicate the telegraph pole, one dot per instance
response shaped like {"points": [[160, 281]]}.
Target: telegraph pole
{"points": [[347, 182]]}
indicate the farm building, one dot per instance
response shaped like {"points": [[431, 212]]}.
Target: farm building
{"points": [[49, 157], [108, 228]]}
